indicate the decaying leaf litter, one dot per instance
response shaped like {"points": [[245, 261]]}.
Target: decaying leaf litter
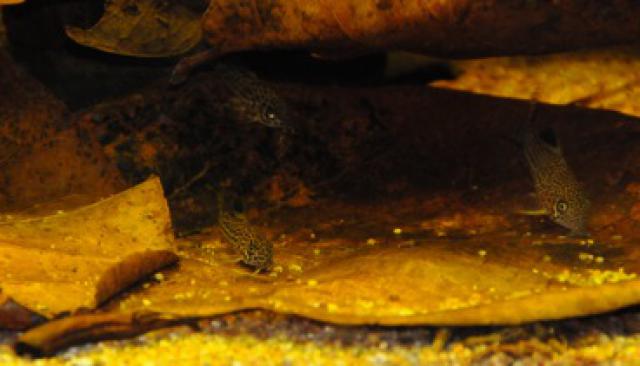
{"points": [[314, 262], [305, 270]]}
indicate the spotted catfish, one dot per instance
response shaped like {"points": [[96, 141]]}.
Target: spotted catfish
{"points": [[253, 100], [256, 250], [559, 193]]}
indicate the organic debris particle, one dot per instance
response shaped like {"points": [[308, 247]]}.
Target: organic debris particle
{"points": [[586, 257], [371, 241], [159, 277], [518, 294], [600, 277], [482, 252], [599, 259], [458, 303], [316, 251], [406, 312], [146, 302], [294, 267], [593, 277], [312, 282], [397, 231]]}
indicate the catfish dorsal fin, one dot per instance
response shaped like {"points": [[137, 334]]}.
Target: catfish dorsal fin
{"points": [[526, 126]]}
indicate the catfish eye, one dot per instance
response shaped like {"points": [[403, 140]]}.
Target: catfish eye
{"points": [[561, 206], [269, 114]]}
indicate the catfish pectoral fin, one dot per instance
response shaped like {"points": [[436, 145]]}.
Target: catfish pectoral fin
{"points": [[536, 212]]}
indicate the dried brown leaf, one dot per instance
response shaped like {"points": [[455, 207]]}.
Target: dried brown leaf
{"points": [[43, 155], [79, 258], [144, 28], [604, 79], [58, 334]]}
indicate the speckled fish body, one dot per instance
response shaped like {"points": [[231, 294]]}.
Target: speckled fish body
{"points": [[255, 249], [252, 99], [559, 192]]}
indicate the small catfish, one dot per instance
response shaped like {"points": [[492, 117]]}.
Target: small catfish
{"points": [[559, 193], [253, 100], [256, 250]]}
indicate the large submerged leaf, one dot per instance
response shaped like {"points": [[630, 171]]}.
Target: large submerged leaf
{"points": [[366, 274], [451, 28]]}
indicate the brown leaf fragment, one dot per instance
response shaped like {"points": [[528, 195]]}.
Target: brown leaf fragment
{"points": [[79, 258], [449, 28], [43, 155], [16, 317], [56, 335], [142, 28], [67, 163], [28, 111]]}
